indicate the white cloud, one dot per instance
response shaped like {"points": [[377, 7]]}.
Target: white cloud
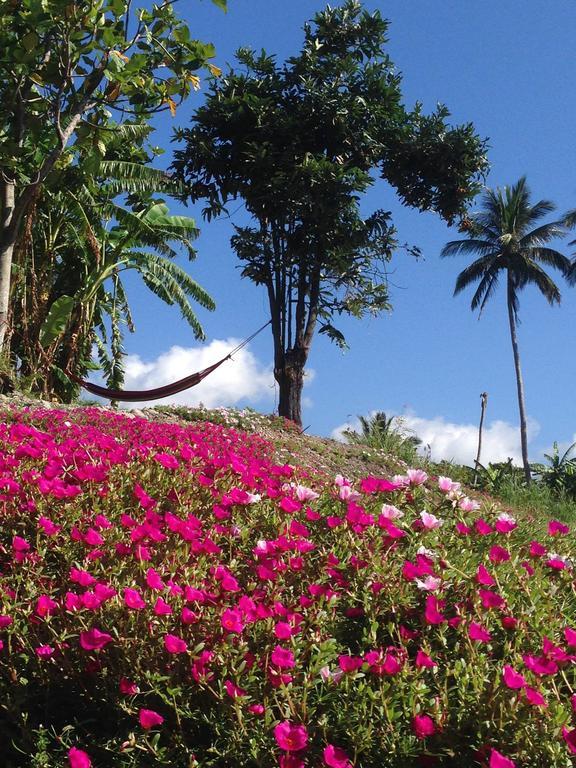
{"points": [[459, 442], [241, 378]]}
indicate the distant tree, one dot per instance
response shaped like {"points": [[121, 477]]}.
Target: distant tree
{"points": [[298, 144], [65, 69], [386, 433], [503, 238]]}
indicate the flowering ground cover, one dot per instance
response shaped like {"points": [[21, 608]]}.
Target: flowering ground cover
{"points": [[171, 596]]}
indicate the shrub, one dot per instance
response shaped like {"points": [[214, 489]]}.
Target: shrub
{"points": [[172, 597]]}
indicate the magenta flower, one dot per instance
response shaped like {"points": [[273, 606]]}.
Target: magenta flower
{"points": [[19, 544], [512, 678], [556, 528], [477, 632], [433, 612], [498, 554], [148, 718], [498, 760], [44, 651], [423, 726], [423, 660], [291, 737], [232, 620], [78, 758], [282, 658], [94, 639], [534, 697], [45, 606], [483, 577], [570, 635], [350, 663], [133, 599], [570, 739], [175, 644], [335, 757], [233, 690], [127, 687]]}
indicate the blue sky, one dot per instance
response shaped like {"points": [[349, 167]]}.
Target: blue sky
{"points": [[508, 67]]}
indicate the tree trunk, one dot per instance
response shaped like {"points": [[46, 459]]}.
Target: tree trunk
{"points": [[484, 400], [7, 244], [519, 383], [290, 377]]}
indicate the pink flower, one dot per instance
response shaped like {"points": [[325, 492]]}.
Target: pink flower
{"points": [[19, 544], [78, 758], [45, 606], [483, 577], [175, 644], [570, 635], [390, 512], [290, 760], [429, 584], [350, 663], [499, 554], [48, 527], [282, 658], [512, 678], [468, 505], [305, 494], [154, 580], [257, 709], [497, 760], [127, 687], [534, 697], [430, 521], [477, 632], [446, 485], [94, 639], [423, 726], [148, 718], [232, 620], [432, 613], [423, 660], [162, 608], [570, 739], [233, 690], [416, 476], [44, 651], [283, 630], [291, 737], [133, 599], [556, 528], [336, 757]]}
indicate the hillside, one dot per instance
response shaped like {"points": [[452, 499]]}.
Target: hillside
{"points": [[196, 594]]}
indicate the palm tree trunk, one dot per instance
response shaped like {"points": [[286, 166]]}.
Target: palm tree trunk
{"points": [[519, 381], [484, 401]]}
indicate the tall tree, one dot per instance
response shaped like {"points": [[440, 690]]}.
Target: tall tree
{"points": [[503, 238], [65, 69], [298, 144]]}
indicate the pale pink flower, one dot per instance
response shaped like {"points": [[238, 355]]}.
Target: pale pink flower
{"points": [[416, 476], [446, 485], [468, 505], [429, 584], [390, 512], [430, 521], [305, 494]]}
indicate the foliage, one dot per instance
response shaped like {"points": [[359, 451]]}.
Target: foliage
{"points": [[491, 478], [78, 242], [299, 143], [560, 473], [225, 610], [386, 433], [69, 73], [504, 239]]}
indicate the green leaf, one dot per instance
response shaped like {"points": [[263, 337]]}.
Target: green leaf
{"points": [[57, 319], [221, 4]]}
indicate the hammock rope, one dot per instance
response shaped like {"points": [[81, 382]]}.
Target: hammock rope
{"points": [[139, 396]]}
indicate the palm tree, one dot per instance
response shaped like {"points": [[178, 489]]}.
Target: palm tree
{"points": [[502, 237]]}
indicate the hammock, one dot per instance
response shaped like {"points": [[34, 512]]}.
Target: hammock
{"points": [[135, 396]]}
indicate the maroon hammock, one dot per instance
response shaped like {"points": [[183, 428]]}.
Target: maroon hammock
{"points": [[135, 396]]}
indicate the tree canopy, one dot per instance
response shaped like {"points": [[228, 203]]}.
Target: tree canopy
{"points": [[70, 73], [299, 143]]}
